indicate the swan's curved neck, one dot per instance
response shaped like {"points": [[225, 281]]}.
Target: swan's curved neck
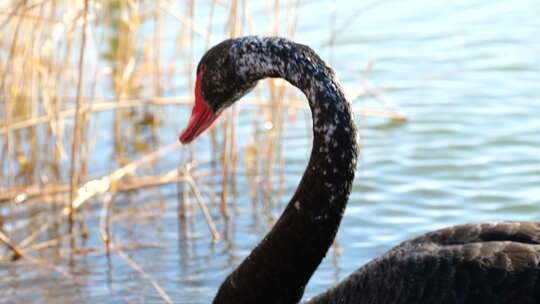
{"points": [[278, 269]]}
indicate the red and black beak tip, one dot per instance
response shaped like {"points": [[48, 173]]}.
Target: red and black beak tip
{"points": [[202, 116]]}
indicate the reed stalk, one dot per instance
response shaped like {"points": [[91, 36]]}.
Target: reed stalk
{"points": [[79, 124]]}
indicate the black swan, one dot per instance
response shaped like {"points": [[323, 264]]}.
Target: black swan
{"points": [[493, 262]]}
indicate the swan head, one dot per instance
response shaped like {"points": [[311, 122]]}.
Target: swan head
{"points": [[220, 82]]}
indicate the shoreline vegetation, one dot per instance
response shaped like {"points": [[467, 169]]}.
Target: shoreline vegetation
{"points": [[63, 63]]}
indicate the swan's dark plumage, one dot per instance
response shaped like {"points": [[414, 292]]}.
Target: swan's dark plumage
{"points": [[287, 257], [495, 262]]}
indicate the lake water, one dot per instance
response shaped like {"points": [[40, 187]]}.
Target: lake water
{"points": [[467, 75]]}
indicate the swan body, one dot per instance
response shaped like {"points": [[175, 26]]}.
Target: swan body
{"points": [[495, 262]]}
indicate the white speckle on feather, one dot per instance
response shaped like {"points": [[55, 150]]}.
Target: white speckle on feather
{"points": [[261, 57], [316, 114], [330, 129]]}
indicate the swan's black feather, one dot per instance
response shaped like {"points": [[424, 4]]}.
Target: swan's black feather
{"points": [[496, 262]]}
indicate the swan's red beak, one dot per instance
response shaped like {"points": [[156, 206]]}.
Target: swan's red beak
{"points": [[202, 116]]}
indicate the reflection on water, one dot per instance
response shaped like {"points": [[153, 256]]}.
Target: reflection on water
{"points": [[465, 73]]}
